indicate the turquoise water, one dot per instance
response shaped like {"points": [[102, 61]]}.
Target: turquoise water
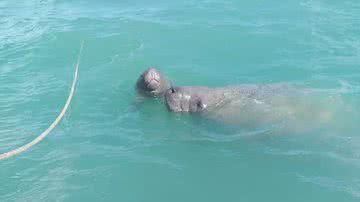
{"points": [[108, 149]]}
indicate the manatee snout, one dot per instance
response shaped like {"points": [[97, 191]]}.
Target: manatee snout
{"points": [[152, 82], [152, 79]]}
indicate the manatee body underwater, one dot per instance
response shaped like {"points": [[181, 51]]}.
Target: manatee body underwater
{"points": [[252, 105]]}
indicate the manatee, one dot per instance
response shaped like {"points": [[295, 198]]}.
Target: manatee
{"points": [[201, 98], [251, 105], [152, 83]]}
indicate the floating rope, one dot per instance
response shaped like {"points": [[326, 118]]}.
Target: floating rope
{"points": [[52, 126]]}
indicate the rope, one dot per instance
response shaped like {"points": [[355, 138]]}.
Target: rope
{"points": [[56, 121]]}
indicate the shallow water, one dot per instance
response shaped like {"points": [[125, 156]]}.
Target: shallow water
{"points": [[107, 149]]}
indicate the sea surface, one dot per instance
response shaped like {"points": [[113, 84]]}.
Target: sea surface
{"points": [[110, 148]]}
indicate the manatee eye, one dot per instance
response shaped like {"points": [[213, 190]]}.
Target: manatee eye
{"points": [[172, 90], [200, 105]]}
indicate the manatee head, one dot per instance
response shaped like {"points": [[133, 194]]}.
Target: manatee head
{"points": [[152, 83], [187, 99]]}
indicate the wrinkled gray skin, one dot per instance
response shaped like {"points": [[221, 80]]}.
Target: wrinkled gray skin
{"points": [[152, 83], [192, 99], [253, 104], [199, 98]]}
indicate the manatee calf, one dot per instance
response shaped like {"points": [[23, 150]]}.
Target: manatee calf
{"points": [[251, 104], [152, 83]]}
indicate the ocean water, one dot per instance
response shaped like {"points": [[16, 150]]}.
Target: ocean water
{"points": [[109, 149]]}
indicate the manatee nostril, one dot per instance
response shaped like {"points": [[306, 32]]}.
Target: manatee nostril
{"points": [[172, 90], [200, 105], [151, 74]]}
